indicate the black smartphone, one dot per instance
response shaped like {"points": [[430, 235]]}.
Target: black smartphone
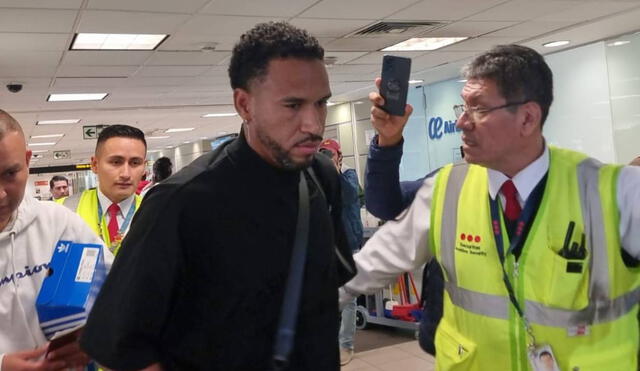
{"points": [[395, 83]]}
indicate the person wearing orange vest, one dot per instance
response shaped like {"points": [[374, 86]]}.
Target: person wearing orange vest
{"points": [[540, 246], [119, 163]]}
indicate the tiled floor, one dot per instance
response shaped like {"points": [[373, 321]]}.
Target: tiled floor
{"points": [[406, 357]]}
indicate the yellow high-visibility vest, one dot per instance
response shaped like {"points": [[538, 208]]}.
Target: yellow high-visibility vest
{"points": [[589, 318], [87, 206]]}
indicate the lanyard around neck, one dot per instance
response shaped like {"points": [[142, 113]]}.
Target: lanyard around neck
{"points": [[127, 219], [526, 217]]}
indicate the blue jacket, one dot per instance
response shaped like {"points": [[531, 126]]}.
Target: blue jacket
{"points": [[351, 208]]}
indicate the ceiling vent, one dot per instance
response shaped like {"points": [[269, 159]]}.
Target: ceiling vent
{"points": [[394, 28]]}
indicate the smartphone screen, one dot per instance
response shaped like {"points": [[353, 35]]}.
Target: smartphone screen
{"points": [[395, 83]]}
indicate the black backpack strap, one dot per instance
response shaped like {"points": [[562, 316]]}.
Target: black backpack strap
{"points": [[325, 176], [291, 303]]}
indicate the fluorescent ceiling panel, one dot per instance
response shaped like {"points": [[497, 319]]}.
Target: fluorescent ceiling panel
{"points": [[46, 136], [219, 115], [42, 144], [76, 97], [105, 41], [57, 122], [424, 43], [178, 130], [553, 44]]}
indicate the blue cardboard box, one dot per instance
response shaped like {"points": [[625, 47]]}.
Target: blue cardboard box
{"points": [[76, 273]]}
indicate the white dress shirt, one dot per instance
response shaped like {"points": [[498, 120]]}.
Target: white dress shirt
{"points": [[125, 205]]}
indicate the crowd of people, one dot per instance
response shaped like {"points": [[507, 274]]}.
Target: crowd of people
{"points": [[244, 259]]}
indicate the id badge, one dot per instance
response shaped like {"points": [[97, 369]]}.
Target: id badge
{"points": [[542, 359]]}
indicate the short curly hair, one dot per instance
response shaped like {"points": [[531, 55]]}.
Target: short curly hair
{"points": [[267, 41]]}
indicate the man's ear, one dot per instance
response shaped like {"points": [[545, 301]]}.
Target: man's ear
{"points": [[242, 100], [531, 119], [28, 157], [94, 164]]}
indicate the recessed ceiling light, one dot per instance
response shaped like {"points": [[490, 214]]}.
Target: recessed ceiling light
{"points": [[619, 43], [220, 115], [158, 137], [42, 144], [222, 133], [58, 122], [47, 136], [416, 81], [358, 102], [40, 151], [462, 81], [186, 142], [76, 97], [106, 41], [424, 43], [178, 130], [168, 147], [329, 104], [553, 44], [154, 150]]}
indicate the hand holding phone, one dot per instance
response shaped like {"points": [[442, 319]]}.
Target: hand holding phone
{"points": [[395, 84]]}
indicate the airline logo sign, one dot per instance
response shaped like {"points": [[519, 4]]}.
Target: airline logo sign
{"points": [[438, 127]]}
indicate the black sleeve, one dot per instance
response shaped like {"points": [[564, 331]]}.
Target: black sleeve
{"points": [[331, 184], [124, 328]]}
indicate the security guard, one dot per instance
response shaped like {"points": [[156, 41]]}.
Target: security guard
{"points": [[119, 163], [539, 245]]}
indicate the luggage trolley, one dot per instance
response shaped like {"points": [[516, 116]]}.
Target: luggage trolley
{"points": [[371, 308]]}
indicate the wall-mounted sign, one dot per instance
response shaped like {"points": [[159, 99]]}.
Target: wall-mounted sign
{"points": [[92, 131], [438, 127], [62, 155]]}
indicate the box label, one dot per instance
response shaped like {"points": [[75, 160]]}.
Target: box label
{"points": [[87, 265]]}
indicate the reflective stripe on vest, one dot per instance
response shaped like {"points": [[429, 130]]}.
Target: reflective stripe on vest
{"points": [[449, 218], [601, 307]]}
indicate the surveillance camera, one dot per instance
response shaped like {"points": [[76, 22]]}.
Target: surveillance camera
{"points": [[14, 87]]}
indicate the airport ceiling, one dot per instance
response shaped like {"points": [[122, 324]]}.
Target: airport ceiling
{"points": [[173, 86]]}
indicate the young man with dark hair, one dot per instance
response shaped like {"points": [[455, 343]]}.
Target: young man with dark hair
{"points": [[119, 163], [59, 188], [205, 266], [538, 245], [29, 231]]}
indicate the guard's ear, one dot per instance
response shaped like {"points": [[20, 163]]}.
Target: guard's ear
{"points": [[531, 118], [242, 100]]}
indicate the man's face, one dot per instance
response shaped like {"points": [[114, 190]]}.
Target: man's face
{"points": [[488, 138], [60, 189], [119, 164], [14, 172], [285, 111]]}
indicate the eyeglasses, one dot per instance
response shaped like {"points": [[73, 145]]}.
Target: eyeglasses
{"points": [[477, 112]]}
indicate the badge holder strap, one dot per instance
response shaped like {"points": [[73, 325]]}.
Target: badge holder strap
{"points": [[525, 217], [123, 227]]}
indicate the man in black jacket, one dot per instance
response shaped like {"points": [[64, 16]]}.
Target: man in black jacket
{"points": [[200, 280]]}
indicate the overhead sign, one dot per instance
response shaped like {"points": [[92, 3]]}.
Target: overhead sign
{"points": [[92, 131], [62, 155]]}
